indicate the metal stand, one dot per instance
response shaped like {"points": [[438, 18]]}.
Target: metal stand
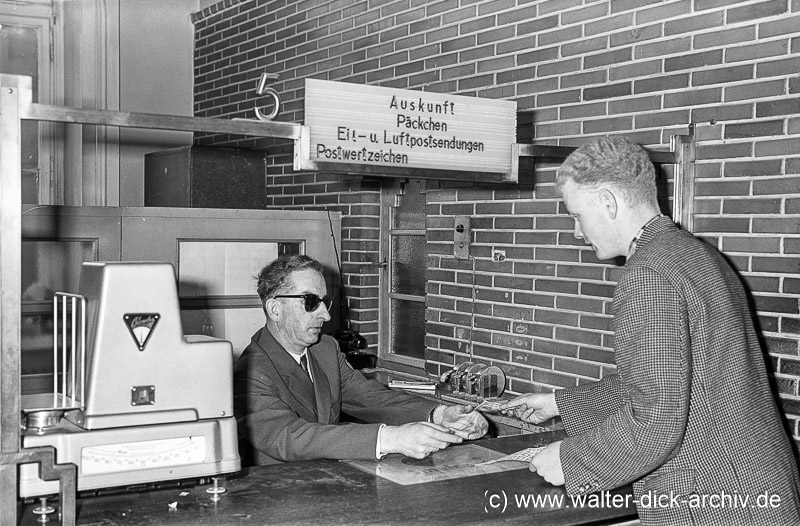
{"points": [[66, 474]]}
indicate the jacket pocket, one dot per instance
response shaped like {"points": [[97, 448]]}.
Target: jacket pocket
{"points": [[663, 498]]}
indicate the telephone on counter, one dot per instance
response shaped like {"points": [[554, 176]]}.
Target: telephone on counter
{"points": [[352, 344], [350, 341]]}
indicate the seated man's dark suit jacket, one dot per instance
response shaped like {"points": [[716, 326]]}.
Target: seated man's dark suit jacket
{"points": [[282, 416], [690, 411]]}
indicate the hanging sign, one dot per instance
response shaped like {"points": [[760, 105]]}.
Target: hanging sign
{"points": [[397, 129]]}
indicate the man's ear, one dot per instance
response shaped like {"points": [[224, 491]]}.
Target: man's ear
{"points": [[609, 202], [273, 308]]}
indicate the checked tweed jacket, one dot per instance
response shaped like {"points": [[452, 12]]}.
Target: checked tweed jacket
{"points": [[690, 410], [282, 416]]}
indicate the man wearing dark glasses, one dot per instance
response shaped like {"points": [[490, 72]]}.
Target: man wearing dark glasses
{"points": [[292, 384]]}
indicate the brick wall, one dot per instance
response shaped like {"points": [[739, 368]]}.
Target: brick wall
{"points": [[648, 69]]}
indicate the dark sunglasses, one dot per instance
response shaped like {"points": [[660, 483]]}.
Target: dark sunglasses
{"points": [[310, 301]]}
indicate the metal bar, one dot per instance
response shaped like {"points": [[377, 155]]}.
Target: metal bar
{"points": [[83, 351], [549, 152], [217, 302], [406, 297], [16, 94], [72, 354], [683, 199], [11, 98], [514, 176], [280, 130], [38, 308], [405, 232], [63, 350], [561, 152], [55, 350]]}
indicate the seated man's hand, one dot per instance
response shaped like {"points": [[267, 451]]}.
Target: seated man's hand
{"points": [[462, 419], [417, 440], [547, 463], [534, 408]]}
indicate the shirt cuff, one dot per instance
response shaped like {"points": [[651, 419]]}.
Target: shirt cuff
{"points": [[378, 454], [433, 411]]}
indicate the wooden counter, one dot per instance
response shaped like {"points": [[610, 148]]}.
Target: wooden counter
{"points": [[334, 492]]}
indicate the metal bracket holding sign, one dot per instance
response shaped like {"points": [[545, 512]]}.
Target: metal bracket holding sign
{"points": [[373, 130], [681, 156]]}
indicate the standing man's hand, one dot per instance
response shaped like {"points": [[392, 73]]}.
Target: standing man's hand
{"points": [[534, 408], [417, 440], [462, 419], [547, 463]]}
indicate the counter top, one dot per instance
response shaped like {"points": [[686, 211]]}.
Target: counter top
{"points": [[335, 492]]}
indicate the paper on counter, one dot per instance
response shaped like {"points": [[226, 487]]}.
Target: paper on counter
{"points": [[520, 456], [465, 460]]}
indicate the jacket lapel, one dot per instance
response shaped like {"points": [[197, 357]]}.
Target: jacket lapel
{"points": [[298, 384], [322, 390]]}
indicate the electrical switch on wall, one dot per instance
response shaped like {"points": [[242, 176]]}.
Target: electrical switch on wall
{"points": [[461, 235]]}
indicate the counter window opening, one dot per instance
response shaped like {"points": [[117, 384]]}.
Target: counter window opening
{"points": [[402, 280]]}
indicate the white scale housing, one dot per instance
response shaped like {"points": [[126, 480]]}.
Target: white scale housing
{"points": [[137, 401]]}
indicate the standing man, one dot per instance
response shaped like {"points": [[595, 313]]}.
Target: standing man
{"points": [[291, 385], [689, 417]]}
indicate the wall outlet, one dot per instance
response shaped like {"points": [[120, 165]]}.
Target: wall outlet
{"points": [[498, 255]]}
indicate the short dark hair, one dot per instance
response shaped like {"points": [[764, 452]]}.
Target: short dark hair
{"points": [[274, 279], [614, 161]]}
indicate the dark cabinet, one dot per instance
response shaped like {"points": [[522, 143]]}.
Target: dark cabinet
{"points": [[206, 177]]}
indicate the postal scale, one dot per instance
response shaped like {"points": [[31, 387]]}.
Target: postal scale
{"points": [[134, 400]]}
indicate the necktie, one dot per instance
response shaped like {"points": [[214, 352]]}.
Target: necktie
{"points": [[304, 363]]}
